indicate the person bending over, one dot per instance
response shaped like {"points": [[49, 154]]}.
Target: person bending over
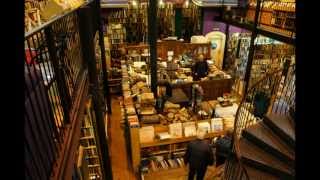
{"points": [[198, 155]]}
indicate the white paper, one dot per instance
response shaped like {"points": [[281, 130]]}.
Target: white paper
{"points": [[146, 134], [175, 129], [216, 124]]}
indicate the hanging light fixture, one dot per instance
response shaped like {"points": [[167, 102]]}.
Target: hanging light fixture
{"points": [[134, 3], [186, 3], [161, 3]]}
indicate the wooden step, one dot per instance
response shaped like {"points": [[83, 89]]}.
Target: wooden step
{"points": [[260, 135], [255, 174], [281, 126], [253, 156]]}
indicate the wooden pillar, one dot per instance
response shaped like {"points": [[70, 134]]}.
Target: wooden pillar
{"points": [[152, 22], [225, 47], [178, 22], [103, 57]]}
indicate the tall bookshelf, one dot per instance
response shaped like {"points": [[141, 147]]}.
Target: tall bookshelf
{"points": [[275, 15], [269, 56], [89, 142], [237, 58]]}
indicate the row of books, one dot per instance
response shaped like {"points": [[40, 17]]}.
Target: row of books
{"points": [[128, 104], [164, 164]]}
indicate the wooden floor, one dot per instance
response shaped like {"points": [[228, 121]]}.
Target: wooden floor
{"points": [[118, 153]]}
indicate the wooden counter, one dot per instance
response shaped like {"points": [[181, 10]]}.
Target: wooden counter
{"points": [[212, 88]]}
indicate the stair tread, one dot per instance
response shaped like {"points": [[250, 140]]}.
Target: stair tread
{"points": [[254, 153], [255, 174], [283, 123], [266, 135]]}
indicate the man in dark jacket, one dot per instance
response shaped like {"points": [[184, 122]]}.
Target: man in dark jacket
{"points": [[199, 155], [200, 68], [223, 148]]}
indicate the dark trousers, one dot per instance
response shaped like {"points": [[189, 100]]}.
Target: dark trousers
{"points": [[199, 171], [220, 160]]}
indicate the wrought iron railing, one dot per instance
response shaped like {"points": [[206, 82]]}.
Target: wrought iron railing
{"points": [[56, 84], [274, 93]]}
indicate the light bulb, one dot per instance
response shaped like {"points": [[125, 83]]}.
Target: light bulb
{"points": [[161, 3], [134, 3]]}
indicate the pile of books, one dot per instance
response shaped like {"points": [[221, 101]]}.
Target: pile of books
{"points": [[147, 111], [128, 103]]}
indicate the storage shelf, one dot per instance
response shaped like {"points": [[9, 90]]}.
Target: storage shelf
{"points": [[90, 147], [87, 127], [93, 156], [94, 165], [87, 137], [269, 32], [179, 140]]}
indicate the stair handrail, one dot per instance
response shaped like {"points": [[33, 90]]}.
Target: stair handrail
{"points": [[240, 123]]}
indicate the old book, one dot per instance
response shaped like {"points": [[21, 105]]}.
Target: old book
{"points": [[213, 103], [204, 126], [130, 110], [163, 135], [153, 165], [175, 130], [189, 129], [216, 124], [147, 111], [51, 9], [228, 122], [150, 119], [146, 134]]}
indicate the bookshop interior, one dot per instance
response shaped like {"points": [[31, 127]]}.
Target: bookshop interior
{"points": [[159, 89]]}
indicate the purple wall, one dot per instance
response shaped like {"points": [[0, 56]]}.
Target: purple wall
{"points": [[209, 24]]}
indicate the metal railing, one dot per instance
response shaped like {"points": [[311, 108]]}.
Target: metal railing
{"points": [[274, 93], [55, 85]]}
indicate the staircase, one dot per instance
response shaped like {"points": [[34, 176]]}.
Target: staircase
{"points": [[264, 134]]}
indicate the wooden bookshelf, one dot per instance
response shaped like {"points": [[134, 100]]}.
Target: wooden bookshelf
{"points": [[177, 46], [277, 17], [268, 58], [88, 140]]}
